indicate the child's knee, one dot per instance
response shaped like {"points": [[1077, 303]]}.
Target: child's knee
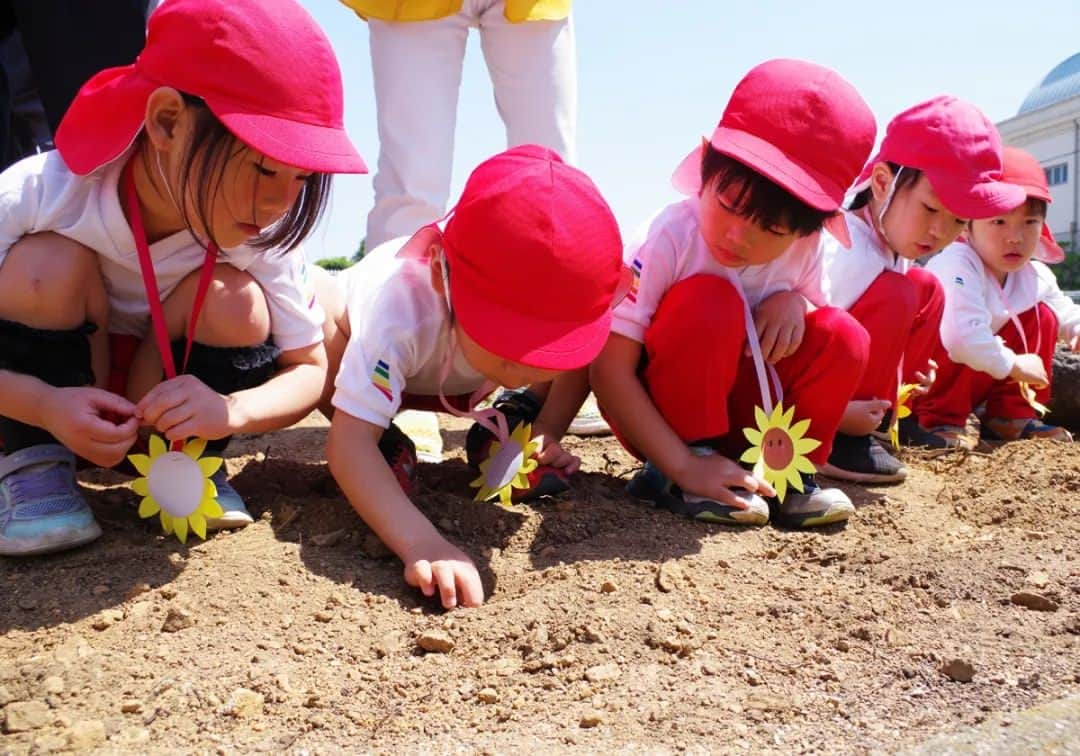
{"points": [[48, 281], [235, 312], [835, 335]]}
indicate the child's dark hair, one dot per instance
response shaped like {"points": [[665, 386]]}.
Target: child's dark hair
{"points": [[212, 146], [759, 199], [908, 177], [1035, 206]]}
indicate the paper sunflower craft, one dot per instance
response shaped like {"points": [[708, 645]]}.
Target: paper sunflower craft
{"points": [[778, 449], [176, 486], [507, 466], [1029, 395], [903, 409]]}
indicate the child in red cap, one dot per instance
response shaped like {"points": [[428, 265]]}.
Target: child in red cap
{"points": [[441, 321], [726, 313], [162, 234], [939, 165], [1004, 314]]}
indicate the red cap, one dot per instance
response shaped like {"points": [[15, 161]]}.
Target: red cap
{"points": [[1022, 169], [958, 149], [263, 67], [535, 259], [802, 126]]}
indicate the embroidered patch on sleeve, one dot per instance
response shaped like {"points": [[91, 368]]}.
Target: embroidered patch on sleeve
{"points": [[958, 281], [380, 378], [635, 269]]}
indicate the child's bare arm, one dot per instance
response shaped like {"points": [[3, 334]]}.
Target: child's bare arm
{"points": [[564, 399], [431, 562], [618, 389]]}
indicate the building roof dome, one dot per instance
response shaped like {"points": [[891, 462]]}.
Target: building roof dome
{"points": [[1061, 83]]}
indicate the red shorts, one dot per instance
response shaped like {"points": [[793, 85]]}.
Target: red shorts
{"points": [[121, 354]]}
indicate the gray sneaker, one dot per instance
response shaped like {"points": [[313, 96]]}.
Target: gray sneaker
{"points": [[814, 506], [41, 507]]}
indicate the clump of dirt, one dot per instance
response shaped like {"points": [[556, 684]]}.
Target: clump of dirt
{"points": [[608, 625]]}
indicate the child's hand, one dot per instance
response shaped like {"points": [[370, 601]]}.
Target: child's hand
{"points": [[862, 416], [926, 380], [441, 566], [780, 322], [1074, 342], [553, 455], [1029, 369], [714, 477], [185, 407], [94, 424]]}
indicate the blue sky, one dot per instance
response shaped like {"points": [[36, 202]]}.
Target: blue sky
{"points": [[652, 81]]}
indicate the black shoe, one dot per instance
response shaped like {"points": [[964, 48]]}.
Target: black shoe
{"points": [[913, 434], [861, 459], [399, 451], [649, 484]]}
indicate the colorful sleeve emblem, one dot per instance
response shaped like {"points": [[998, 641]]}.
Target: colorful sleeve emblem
{"points": [[635, 269], [380, 378]]}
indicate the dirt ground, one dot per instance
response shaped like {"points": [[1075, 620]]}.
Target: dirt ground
{"points": [[608, 625]]}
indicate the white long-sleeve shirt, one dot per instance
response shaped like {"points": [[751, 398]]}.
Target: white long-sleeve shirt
{"points": [[850, 272], [977, 307]]}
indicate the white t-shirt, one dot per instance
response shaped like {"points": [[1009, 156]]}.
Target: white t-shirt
{"points": [[400, 337], [850, 272], [40, 194], [670, 248], [976, 307]]}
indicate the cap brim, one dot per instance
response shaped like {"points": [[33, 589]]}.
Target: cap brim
{"points": [[983, 200], [321, 149], [103, 119], [1048, 250], [530, 339]]}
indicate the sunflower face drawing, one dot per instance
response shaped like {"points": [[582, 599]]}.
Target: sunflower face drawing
{"points": [[176, 486], [507, 466], [778, 449], [903, 409]]}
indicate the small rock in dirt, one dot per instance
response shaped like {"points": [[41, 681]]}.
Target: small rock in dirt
{"points": [[27, 603], [669, 577], [389, 643], [246, 704], [137, 590], [1034, 601], [333, 538], [49, 744], [100, 590], [591, 719], [608, 586], [958, 670], [436, 642], [1038, 579], [52, 685], [752, 677], [131, 706], [487, 695], [107, 619], [323, 616], [85, 735], [602, 673], [177, 619], [133, 736], [23, 716], [167, 592]]}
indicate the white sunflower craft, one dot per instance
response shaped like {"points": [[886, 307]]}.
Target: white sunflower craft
{"points": [[176, 486], [507, 466], [778, 449]]}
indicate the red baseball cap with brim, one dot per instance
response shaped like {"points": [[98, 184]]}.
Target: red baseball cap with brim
{"points": [[958, 149], [1020, 168], [535, 259], [802, 126], [263, 67]]}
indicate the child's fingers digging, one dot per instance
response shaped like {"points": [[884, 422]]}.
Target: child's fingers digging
{"points": [[418, 575]]}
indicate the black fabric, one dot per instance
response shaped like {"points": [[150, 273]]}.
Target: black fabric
{"points": [[59, 358], [227, 370]]}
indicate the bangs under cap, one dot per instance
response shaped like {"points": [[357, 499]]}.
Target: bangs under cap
{"points": [[264, 68]]}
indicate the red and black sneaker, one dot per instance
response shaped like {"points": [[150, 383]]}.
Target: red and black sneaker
{"points": [[400, 453], [517, 406]]}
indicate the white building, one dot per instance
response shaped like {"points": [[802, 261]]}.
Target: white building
{"points": [[1048, 126]]}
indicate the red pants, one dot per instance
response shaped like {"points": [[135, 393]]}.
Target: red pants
{"points": [[959, 389], [902, 314], [706, 387]]}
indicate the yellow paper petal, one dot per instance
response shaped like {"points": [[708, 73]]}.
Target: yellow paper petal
{"points": [[166, 521], [209, 465], [180, 525], [805, 445], [157, 446], [141, 462], [527, 467], [794, 478], [198, 524], [148, 507], [760, 418], [753, 436], [904, 411], [785, 420], [141, 486], [195, 447], [751, 455], [210, 508], [780, 484], [798, 430], [803, 465]]}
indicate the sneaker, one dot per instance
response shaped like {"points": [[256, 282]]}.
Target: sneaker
{"points": [[861, 459], [913, 434], [589, 421], [952, 436], [649, 484], [517, 406], [813, 507], [1017, 428], [41, 507], [235, 513], [400, 453]]}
